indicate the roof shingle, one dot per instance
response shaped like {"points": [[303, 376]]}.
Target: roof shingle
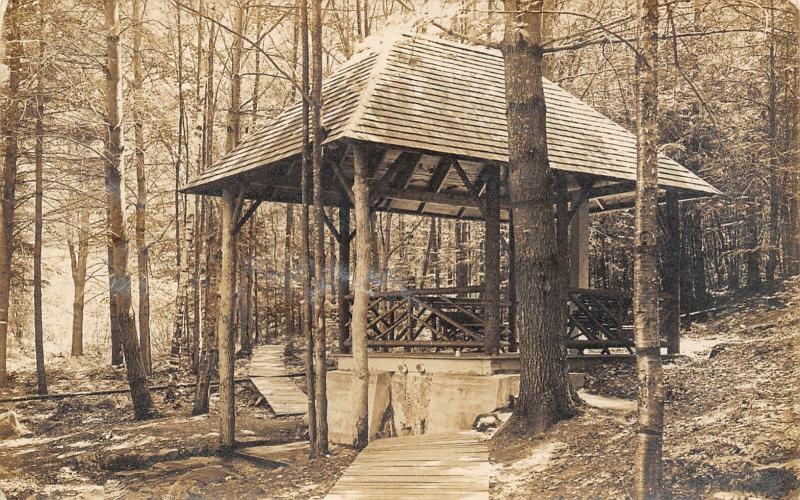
{"points": [[448, 98]]}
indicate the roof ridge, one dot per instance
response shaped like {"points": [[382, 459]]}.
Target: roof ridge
{"points": [[382, 56]]}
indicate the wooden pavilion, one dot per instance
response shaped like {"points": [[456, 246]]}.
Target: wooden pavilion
{"points": [[422, 122]]}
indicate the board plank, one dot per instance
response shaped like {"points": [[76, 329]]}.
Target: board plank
{"points": [[268, 373], [445, 465]]}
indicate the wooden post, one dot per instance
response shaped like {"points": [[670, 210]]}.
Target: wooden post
{"points": [[230, 208], [579, 248], [344, 277], [513, 342], [492, 261], [361, 295], [671, 281]]}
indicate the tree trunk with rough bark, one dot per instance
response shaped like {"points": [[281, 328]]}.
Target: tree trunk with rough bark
{"points": [[11, 118], [545, 394], [230, 207], [647, 460], [320, 346], [41, 379], [142, 256], [305, 241], [114, 172], [78, 257], [361, 297]]}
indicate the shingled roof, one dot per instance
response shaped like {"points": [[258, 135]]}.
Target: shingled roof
{"points": [[442, 98]]}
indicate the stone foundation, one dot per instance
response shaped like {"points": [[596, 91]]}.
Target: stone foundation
{"points": [[411, 394]]}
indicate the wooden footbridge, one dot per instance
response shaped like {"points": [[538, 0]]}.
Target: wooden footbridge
{"points": [[413, 467], [268, 373]]}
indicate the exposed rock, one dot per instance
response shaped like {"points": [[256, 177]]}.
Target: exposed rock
{"points": [[10, 427]]}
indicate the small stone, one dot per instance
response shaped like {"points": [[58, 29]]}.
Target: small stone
{"points": [[165, 454]]}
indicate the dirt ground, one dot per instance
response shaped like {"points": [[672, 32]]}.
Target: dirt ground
{"points": [[732, 413], [91, 447], [731, 419]]}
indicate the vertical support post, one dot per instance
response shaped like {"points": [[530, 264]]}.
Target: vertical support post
{"points": [[579, 248], [361, 293], [229, 213], [513, 343], [343, 289], [671, 281], [492, 261]]}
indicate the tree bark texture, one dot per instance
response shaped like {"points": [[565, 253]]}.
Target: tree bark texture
{"points": [[142, 257], [78, 257], [545, 395], [41, 379], [647, 459], [305, 238], [230, 207], [11, 118], [114, 170], [320, 346], [361, 297]]}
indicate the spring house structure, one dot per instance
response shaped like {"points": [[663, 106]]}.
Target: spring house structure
{"points": [[427, 120]]}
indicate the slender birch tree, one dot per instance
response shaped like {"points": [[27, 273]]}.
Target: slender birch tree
{"points": [[647, 461]]}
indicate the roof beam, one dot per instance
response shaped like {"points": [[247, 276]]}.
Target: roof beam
{"points": [[397, 175], [438, 177], [470, 187], [453, 199]]}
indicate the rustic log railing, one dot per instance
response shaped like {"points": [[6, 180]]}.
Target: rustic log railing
{"points": [[438, 318], [454, 319]]}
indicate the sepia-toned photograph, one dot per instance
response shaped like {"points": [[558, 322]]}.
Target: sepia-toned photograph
{"points": [[399, 249]]}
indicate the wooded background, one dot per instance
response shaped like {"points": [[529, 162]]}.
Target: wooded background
{"points": [[727, 98]]}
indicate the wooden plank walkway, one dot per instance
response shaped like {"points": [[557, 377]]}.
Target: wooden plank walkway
{"points": [[431, 465], [269, 375]]}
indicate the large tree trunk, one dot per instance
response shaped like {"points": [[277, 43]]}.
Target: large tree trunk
{"points": [[11, 118], [114, 169], [78, 258], [545, 395], [647, 460], [320, 346], [361, 287], [41, 379], [142, 257]]}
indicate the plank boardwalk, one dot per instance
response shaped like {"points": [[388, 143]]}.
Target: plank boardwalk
{"points": [[431, 465], [269, 375]]}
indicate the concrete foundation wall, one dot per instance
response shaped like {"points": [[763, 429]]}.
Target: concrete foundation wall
{"points": [[415, 403], [341, 426]]}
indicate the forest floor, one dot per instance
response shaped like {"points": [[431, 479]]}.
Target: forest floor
{"points": [[90, 447], [732, 414], [732, 418]]}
